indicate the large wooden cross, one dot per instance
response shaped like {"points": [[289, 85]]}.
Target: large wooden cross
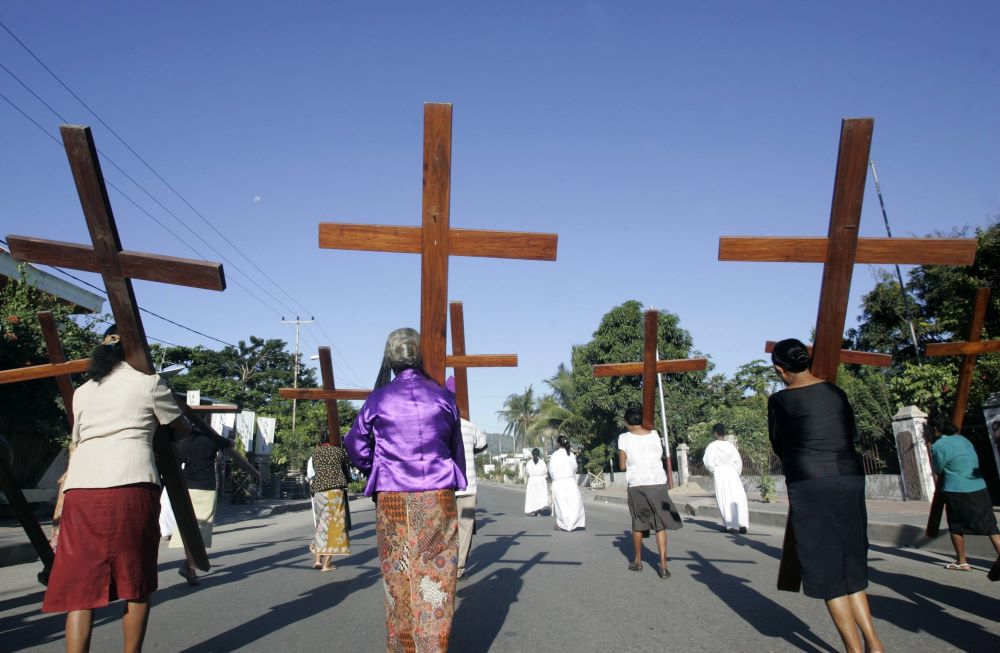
{"points": [[460, 361], [118, 267], [436, 241], [839, 252], [648, 369], [968, 350]]}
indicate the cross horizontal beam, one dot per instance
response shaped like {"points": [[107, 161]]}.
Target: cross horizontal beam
{"points": [[481, 360], [319, 394], [963, 348], [662, 367], [136, 265], [461, 242], [47, 371], [849, 356], [907, 251], [215, 408]]}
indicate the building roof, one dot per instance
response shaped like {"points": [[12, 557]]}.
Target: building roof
{"points": [[82, 301]]}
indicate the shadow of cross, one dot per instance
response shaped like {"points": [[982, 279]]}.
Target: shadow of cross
{"points": [[435, 240], [117, 268], [968, 350], [648, 369], [838, 253], [460, 361]]}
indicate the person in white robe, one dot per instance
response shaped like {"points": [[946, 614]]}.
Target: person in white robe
{"points": [[536, 496], [723, 461], [567, 502]]}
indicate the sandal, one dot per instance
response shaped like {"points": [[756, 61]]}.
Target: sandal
{"points": [[635, 566], [664, 573], [189, 575], [954, 566]]}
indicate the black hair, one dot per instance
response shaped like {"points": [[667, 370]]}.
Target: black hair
{"points": [[719, 429], [536, 452], [106, 357], [563, 442], [633, 416], [791, 355], [943, 424]]}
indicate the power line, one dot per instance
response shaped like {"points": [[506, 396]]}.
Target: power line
{"points": [[148, 166]]}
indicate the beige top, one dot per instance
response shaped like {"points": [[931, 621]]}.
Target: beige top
{"points": [[113, 425]]}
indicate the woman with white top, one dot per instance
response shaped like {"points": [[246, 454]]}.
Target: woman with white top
{"points": [[536, 493], [722, 460], [567, 503], [640, 454]]}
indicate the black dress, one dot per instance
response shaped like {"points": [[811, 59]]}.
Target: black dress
{"points": [[812, 430]]}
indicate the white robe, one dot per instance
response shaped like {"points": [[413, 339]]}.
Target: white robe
{"points": [[536, 497], [723, 460], [567, 503]]}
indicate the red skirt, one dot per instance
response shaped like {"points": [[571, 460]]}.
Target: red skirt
{"points": [[108, 543]]}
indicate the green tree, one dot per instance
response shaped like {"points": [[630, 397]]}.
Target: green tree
{"points": [[559, 412], [618, 338]]}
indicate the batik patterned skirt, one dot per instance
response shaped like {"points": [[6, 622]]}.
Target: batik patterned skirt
{"points": [[331, 524], [418, 546]]}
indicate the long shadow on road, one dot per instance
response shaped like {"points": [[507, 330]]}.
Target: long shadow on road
{"points": [[768, 617]]}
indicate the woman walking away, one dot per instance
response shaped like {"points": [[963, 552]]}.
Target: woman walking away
{"points": [[567, 503], [966, 499], [812, 430], [109, 533], [408, 439], [329, 488], [536, 492], [640, 454]]}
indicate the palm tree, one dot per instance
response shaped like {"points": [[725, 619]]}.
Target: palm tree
{"points": [[557, 411], [520, 412]]}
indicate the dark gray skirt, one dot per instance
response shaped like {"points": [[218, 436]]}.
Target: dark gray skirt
{"points": [[970, 513], [652, 509]]}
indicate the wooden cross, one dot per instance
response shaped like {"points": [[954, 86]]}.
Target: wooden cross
{"points": [[839, 252], [648, 369], [848, 356], [968, 350], [117, 268], [461, 362], [435, 241]]}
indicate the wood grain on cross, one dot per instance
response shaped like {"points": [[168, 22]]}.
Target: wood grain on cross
{"points": [[648, 369], [117, 268], [848, 356], [968, 350], [839, 252], [460, 361], [436, 241]]}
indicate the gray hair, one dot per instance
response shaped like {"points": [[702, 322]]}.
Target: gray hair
{"points": [[402, 350]]}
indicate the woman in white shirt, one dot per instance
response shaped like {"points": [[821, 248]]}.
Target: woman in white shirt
{"points": [[640, 454], [567, 503]]}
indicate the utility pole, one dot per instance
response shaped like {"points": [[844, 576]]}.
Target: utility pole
{"points": [[295, 378]]}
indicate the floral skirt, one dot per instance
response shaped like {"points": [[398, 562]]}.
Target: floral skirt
{"points": [[329, 513], [417, 536]]}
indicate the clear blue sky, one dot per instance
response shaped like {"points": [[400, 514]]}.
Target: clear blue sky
{"points": [[639, 132]]}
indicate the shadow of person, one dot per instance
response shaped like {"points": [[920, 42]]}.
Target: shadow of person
{"points": [[485, 605], [768, 617]]}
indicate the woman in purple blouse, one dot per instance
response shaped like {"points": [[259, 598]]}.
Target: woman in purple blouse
{"points": [[407, 439]]}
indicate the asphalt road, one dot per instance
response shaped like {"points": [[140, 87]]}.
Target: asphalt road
{"points": [[530, 589]]}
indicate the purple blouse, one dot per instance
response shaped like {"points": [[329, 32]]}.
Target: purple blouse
{"points": [[408, 437]]}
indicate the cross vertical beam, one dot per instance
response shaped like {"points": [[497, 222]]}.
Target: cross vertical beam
{"points": [[332, 411], [652, 319], [434, 232], [460, 361]]}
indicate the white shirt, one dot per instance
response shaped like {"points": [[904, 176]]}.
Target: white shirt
{"points": [[473, 438], [643, 458], [562, 465]]}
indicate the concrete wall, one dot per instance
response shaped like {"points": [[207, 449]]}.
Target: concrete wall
{"points": [[877, 486]]}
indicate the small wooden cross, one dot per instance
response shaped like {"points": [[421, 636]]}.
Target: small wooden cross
{"points": [[968, 350], [461, 362], [117, 268], [839, 252], [327, 393], [648, 369], [435, 241]]}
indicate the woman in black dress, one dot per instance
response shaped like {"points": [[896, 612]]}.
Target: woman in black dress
{"points": [[812, 430]]}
